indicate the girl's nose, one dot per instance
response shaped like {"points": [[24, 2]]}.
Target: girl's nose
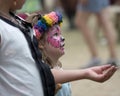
{"points": [[62, 39]]}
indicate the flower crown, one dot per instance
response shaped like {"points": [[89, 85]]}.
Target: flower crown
{"points": [[46, 21]]}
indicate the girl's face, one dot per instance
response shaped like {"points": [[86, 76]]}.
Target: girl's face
{"points": [[54, 45]]}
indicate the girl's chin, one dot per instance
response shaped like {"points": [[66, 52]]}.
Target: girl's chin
{"points": [[63, 52], [62, 48]]}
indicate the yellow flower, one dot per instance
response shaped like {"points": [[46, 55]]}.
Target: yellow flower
{"points": [[48, 20]]}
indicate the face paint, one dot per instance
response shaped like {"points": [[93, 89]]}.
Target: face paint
{"points": [[54, 37]]}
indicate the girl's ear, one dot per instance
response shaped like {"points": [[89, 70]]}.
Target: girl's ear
{"points": [[41, 45]]}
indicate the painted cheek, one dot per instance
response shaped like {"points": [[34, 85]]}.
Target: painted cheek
{"points": [[54, 42]]}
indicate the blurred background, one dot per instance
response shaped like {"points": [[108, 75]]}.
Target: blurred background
{"points": [[76, 50]]}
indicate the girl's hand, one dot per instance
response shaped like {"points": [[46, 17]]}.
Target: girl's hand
{"points": [[100, 73]]}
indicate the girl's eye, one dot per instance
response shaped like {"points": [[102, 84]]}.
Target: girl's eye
{"points": [[56, 34]]}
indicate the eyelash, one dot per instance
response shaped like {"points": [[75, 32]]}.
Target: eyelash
{"points": [[56, 34]]}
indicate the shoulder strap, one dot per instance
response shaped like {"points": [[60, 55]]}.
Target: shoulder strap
{"points": [[44, 70]]}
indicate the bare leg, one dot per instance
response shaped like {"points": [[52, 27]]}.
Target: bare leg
{"points": [[109, 31], [81, 22]]}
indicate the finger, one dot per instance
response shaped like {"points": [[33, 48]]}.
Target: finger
{"points": [[108, 74], [105, 67]]}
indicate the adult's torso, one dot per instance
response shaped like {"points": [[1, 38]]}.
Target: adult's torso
{"points": [[19, 75]]}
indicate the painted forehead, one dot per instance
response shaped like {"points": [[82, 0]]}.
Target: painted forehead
{"points": [[54, 29]]}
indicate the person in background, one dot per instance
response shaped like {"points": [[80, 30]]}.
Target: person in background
{"points": [[42, 3], [100, 8], [69, 8]]}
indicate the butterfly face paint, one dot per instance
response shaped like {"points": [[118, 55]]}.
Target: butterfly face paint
{"points": [[55, 38]]}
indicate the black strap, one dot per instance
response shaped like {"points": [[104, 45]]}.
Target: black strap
{"points": [[44, 70]]}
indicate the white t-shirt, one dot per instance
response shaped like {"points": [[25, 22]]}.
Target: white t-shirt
{"points": [[19, 75]]}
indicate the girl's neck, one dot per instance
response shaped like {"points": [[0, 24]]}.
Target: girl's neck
{"points": [[52, 59], [56, 63]]}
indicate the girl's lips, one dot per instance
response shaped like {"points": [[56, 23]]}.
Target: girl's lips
{"points": [[62, 48], [62, 44]]}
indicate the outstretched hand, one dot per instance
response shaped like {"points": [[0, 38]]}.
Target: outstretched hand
{"points": [[100, 73]]}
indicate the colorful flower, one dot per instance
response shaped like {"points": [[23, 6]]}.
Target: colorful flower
{"points": [[47, 21]]}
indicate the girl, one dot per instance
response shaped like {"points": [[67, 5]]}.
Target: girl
{"points": [[51, 44]]}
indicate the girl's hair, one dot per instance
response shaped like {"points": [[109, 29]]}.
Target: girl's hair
{"points": [[43, 25]]}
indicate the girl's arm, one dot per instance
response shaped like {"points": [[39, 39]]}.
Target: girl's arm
{"points": [[98, 74], [62, 76]]}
